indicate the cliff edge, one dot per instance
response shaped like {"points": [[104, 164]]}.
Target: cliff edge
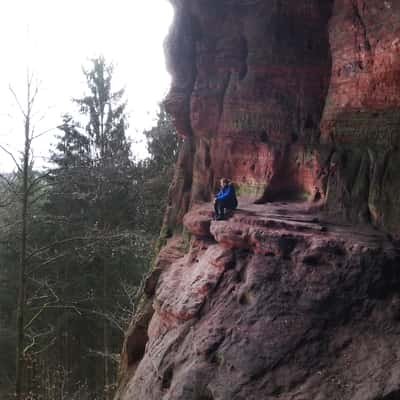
{"points": [[296, 296]]}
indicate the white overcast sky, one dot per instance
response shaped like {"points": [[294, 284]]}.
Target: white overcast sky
{"points": [[55, 37]]}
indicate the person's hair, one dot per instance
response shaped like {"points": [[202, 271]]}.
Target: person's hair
{"points": [[226, 181]]}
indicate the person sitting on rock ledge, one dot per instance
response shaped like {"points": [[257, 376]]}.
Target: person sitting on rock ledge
{"points": [[225, 199]]}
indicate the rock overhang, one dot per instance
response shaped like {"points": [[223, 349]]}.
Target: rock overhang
{"points": [[286, 299]]}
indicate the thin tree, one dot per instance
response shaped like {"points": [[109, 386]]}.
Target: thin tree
{"points": [[24, 168], [25, 186]]}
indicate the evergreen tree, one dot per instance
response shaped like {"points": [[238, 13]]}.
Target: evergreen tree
{"points": [[91, 228], [93, 194], [163, 146], [105, 116], [163, 143]]}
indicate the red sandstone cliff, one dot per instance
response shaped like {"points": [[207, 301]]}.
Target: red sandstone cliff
{"points": [[297, 295]]}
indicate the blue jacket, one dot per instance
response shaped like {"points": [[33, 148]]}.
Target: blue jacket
{"points": [[224, 193], [228, 194]]}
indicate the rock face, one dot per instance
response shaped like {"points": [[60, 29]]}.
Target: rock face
{"points": [[275, 302], [361, 116], [250, 80], [290, 100], [296, 296]]}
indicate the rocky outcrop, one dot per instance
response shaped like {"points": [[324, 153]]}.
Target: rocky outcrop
{"points": [[250, 80], [290, 101], [296, 296], [275, 302]]}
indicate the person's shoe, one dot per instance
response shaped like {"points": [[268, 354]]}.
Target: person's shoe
{"points": [[228, 213], [220, 218]]}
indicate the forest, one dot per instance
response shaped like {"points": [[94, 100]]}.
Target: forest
{"points": [[76, 240]]}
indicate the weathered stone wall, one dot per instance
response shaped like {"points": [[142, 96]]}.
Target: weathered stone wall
{"points": [[274, 303], [250, 82], [289, 101], [362, 112], [296, 296]]}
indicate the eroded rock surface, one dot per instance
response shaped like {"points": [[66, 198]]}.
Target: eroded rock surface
{"points": [[291, 101], [296, 296], [275, 302], [361, 117]]}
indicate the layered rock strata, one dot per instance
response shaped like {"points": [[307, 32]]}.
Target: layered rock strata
{"points": [[296, 296], [361, 118], [250, 80], [291, 100]]}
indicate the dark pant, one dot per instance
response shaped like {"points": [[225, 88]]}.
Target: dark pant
{"points": [[219, 207]]}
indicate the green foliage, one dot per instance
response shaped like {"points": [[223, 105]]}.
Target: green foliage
{"points": [[92, 212], [163, 145], [94, 219], [163, 142]]}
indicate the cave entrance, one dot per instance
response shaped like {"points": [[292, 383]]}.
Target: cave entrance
{"points": [[288, 184], [284, 194]]}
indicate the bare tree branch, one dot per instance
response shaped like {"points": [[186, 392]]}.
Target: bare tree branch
{"points": [[23, 112], [47, 262], [38, 179], [55, 300], [46, 131], [42, 249], [43, 349], [36, 336], [33, 97], [7, 181], [12, 156]]}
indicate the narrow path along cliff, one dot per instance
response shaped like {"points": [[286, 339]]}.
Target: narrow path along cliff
{"points": [[274, 302]]}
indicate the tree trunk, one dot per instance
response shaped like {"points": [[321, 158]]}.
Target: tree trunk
{"points": [[19, 373], [105, 337]]}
